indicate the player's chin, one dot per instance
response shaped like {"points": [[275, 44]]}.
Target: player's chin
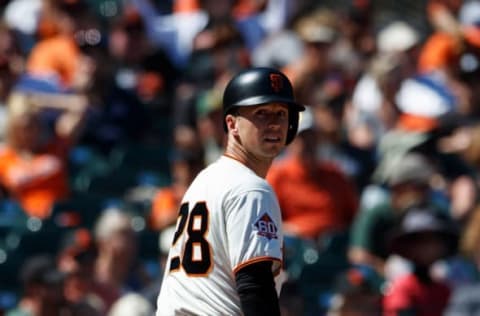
{"points": [[272, 149]]}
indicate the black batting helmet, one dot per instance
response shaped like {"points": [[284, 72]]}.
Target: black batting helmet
{"points": [[261, 85]]}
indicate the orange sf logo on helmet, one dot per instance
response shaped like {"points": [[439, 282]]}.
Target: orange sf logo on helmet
{"points": [[276, 82]]}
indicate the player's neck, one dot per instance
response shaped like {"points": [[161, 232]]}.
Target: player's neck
{"points": [[259, 166]]}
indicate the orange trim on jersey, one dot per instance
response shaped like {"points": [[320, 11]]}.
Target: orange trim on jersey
{"points": [[254, 260]]}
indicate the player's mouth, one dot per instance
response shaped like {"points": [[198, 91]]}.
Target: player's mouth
{"points": [[272, 139]]}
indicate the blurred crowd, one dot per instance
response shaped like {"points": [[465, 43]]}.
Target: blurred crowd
{"points": [[109, 109]]}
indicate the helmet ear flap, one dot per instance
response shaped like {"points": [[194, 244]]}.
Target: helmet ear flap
{"points": [[293, 118]]}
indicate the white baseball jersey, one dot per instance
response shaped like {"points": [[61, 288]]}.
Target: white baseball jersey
{"points": [[229, 218]]}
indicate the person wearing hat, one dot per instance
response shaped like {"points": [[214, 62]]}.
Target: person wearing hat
{"points": [[423, 237], [318, 32], [33, 156], [406, 183], [429, 116], [227, 247]]}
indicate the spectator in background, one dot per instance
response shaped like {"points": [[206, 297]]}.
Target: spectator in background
{"points": [[116, 270], [355, 44], [469, 17], [372, 110], [256, 20], [408, 184], [453, 25], [318, 30], [75, 260], [328, 101], [421, 128], [315, 197], [57, 56], [176, 31], [453, 50], [140, 80], [130, 88], [278, 49], [42, 289], [173, 30], [33, 162], [423, 237], [218, 48]]}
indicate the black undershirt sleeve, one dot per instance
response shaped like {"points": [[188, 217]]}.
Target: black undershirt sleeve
{"points": [[256, 288]]}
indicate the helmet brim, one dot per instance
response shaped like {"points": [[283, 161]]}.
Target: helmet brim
{"points": [[264, 99]]}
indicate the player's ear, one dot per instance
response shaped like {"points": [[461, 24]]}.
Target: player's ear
{"points": [[231, 122]]}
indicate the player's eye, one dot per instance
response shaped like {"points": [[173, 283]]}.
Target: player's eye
{"points": [[282, 114], [261, 112]]}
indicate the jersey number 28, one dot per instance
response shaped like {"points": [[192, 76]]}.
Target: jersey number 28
{"points": [[196, 258]]}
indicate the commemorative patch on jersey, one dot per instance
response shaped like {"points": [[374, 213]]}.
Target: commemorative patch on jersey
{"points": [[266, 227]]}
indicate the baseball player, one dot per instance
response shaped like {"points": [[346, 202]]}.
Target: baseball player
{"points": [[227, 247]]}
